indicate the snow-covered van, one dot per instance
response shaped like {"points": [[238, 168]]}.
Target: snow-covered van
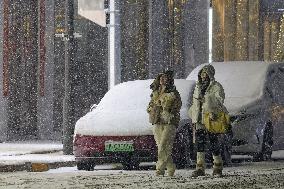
{"points": [[255, 100], [118, 130]]}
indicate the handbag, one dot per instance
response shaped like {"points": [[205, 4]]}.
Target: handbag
{"points": [[218, 125]]}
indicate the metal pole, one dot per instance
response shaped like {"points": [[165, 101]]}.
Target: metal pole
{"points": [[114, 47], [172, 35], [68, 103]]}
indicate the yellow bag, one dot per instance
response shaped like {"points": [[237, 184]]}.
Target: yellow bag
{"points": [[220, 125]]}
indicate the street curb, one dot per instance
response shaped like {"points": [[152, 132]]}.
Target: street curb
{"points": [[56, 165], [12, 168], [36, 167], [46, 151]]}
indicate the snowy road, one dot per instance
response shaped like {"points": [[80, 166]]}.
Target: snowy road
{"points": [[247, 175]]}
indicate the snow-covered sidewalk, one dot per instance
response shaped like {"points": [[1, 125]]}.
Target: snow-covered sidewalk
{"points": [[19, 156], [15, 149]]}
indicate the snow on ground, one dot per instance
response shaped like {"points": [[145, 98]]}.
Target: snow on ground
{"points": [[36, 158], [19, 153], [262, 175], [9, 149]]}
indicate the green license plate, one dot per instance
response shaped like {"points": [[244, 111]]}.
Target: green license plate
{"points": [[119, 146]]}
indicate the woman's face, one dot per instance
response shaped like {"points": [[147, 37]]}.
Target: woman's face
{"points": [[163, 80], [203, 76]]}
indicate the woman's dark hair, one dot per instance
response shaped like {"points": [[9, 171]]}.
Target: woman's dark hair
{"points": [[156, 83], [170, 83]]}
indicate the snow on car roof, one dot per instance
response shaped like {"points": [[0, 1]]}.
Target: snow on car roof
{"points": [[122, 111], [135, 94], [243, 82]]}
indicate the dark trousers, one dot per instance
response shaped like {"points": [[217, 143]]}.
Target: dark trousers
{"points": [[202, 136]]}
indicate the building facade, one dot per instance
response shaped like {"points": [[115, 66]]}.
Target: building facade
{"points": [[247, 29], [163, 34], [33, 64], [154, 35]]}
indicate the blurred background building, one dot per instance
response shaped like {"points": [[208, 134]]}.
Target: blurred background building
{"points": [[33, 64], [247, 30]]}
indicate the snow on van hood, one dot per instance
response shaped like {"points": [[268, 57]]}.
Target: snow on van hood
{"points": [[243, 82], [122, 111]]}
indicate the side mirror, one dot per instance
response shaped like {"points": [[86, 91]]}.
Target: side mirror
{"points": [[94, 106]]}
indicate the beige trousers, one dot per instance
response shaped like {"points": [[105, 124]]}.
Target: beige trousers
{"points": [[164, 135]]}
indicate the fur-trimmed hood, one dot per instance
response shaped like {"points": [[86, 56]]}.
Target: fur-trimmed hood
{"points": [[210, 70]]}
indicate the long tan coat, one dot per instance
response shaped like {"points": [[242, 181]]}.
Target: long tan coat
{"points": [[212, 102], [164, 113]]}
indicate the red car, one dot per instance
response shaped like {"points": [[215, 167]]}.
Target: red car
{"points": [[118, 130]]}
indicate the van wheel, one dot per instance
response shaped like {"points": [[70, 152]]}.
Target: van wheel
{"points": [[267, 144], [85, 166]]}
